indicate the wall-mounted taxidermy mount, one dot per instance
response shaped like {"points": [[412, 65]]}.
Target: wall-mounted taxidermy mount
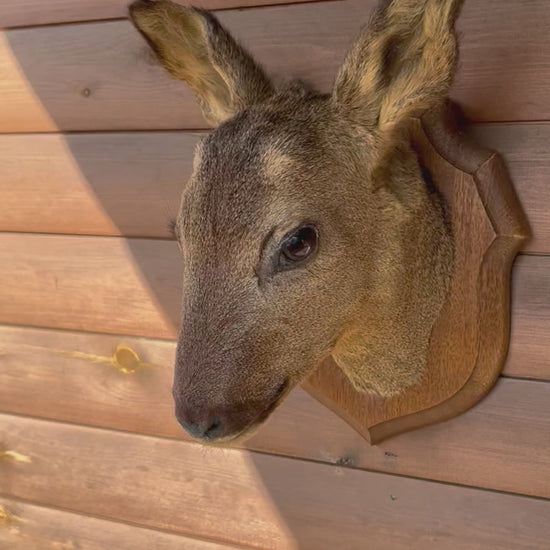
{"points": [[334, 240]]}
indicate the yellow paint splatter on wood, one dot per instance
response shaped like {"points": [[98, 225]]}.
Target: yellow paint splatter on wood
{"points": [[8, 520], [124, 359], [4, 516], [15, 456], [127, 361], [82, 355]]}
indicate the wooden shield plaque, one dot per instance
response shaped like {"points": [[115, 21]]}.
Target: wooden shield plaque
{"points": [[469, 341]]}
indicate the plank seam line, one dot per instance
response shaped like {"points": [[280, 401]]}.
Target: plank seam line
{"points": [[91, 332], [205, 129], [523, 378], [96, 235], [536, 253], [192, 536], [527, 253], [280, 456], [86, 236], [199, 130], [109, 19]]}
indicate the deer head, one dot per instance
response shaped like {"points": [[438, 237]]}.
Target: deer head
{"points": [[308, 228]]}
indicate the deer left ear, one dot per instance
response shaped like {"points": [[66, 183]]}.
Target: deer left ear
{"points": [[401, 65], [194, 47]]}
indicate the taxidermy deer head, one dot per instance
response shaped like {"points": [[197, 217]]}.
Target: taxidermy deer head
{"points": [[308, 228]]}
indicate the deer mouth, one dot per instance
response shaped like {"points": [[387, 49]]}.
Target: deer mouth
{"points": [[250, 429], [279, 396]]}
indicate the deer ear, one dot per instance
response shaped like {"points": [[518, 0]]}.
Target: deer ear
{"points": [[401, 65], [194, 47]]}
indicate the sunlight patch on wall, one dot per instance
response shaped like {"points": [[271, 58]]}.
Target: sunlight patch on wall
{"points": [[20, 109]]}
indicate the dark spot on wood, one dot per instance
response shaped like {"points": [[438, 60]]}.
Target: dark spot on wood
{"points": [[345, 461]]}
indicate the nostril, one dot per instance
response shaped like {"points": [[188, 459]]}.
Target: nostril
{"points": [[200, 426], [192, 429], [215, 429]]}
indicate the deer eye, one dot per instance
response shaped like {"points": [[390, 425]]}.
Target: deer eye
{"points": [[299, 245]]}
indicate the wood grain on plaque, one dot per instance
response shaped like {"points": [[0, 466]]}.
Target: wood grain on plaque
{"points": [[261, 500], [124, 383], [133, 286], [101, 76], [41, 12], [25, 526], [130, 183]]}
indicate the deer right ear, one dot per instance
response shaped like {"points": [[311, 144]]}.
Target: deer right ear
{"points": [[193, 46], [401, 65]]}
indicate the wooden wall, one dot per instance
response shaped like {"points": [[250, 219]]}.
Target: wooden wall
{"points": [[95, 145]]}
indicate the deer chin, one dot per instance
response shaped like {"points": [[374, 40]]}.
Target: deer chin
{"points": [[238, 438]]}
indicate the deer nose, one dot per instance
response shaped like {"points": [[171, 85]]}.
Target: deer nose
{"points": [[202, 424]]}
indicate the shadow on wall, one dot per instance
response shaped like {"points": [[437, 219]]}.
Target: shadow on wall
{"points": [[109, 175], [98, 77]]}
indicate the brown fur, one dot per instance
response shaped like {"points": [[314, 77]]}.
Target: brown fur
{"points": [[279, 158]]}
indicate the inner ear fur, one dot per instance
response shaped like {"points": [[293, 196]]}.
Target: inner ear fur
{"points": [[401, 65], [193, 46]]}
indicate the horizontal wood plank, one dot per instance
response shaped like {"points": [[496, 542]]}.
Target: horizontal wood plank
{"points": [[25, 526], [89, 382], [39, 12], [102, 284], [98, 184], [101, 76], [130, 184], [133, 287], [529, 355], [528, 159], [265, 501]]}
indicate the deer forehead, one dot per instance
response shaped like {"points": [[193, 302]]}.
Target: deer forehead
{"points": [[277, 164], [249, 175]]}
